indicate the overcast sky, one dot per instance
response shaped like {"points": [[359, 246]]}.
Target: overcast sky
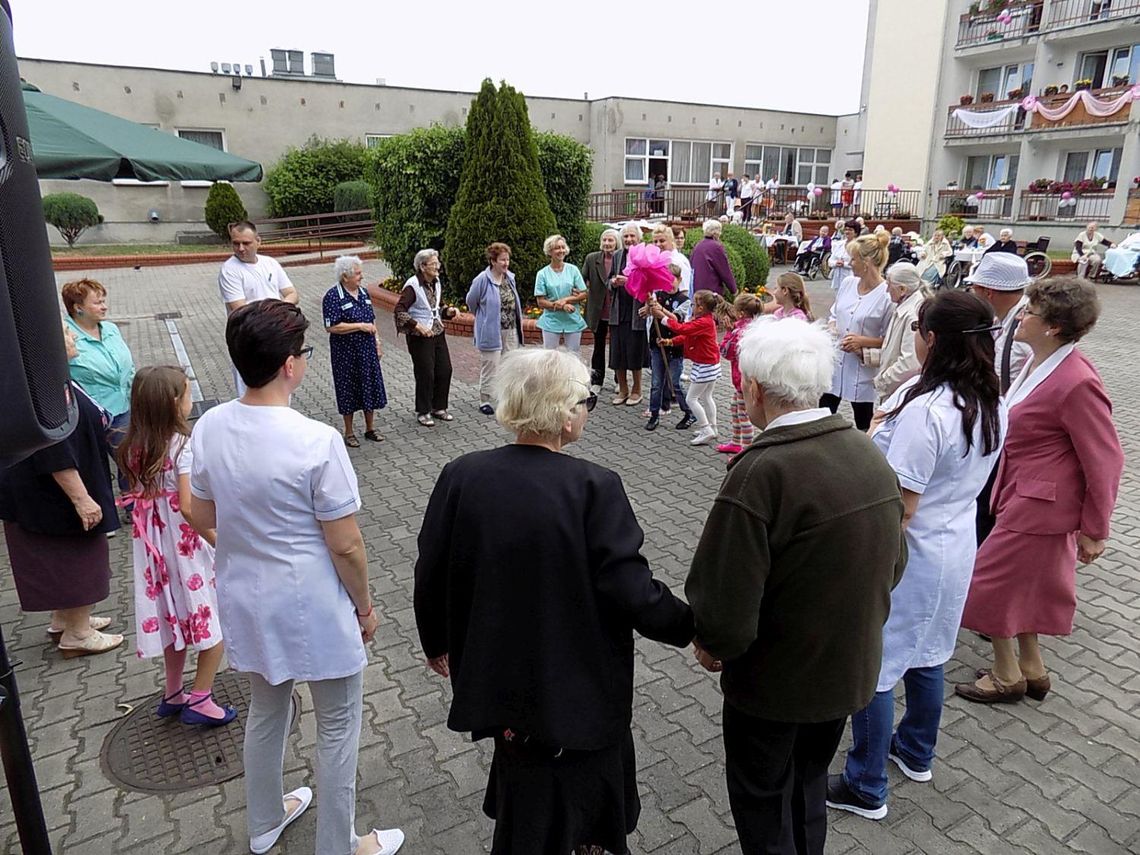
{"points": [[752, 53]]}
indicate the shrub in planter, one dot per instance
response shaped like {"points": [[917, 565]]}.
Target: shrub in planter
{"points": [[753, 256], [566, 166], [1051, 90], [501, 195], [1014, 94], [71, 213], [986, 97], [413, 178], [223, 206], [304, 179], [352, 196], [966, 100], [1120, 80], [951, 226]]}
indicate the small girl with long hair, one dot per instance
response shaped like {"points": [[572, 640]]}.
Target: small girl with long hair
{"points": [[698, 340], [791, 300], [747, 307], [176, 604]]}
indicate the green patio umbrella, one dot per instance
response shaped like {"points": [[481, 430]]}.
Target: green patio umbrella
{"points": [[73, 141]]}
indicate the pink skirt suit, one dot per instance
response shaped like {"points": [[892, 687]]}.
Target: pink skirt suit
{"points": [[1058, 478]]}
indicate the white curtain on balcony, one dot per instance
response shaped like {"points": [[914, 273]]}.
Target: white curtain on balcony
{"points": [[987, 119]]}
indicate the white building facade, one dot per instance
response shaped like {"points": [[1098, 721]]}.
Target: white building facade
{"points": [[633, 140], [1017, 114]]}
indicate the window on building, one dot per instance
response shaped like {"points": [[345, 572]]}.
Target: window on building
{"points": [[1003, 79], [1099, 163], [373, 140], [990, 172], [722, 158], [680, 161], [814, 165], [636, 161], [214, 139], [754, 160]]}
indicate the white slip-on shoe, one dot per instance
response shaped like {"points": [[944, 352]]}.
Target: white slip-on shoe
{"points": [[264, 842], [390, 840]]}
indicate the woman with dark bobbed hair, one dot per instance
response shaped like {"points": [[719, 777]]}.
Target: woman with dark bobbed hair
{"points": [[1053, 496], [941, 432]]}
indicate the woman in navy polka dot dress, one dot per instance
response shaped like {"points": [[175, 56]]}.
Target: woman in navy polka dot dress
{"points": [[356, 349]]}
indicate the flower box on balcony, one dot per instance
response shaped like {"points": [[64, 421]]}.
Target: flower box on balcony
{"points": [[966, 100], [986, 97]]}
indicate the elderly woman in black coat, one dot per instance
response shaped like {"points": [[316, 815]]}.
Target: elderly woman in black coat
{"points": [[531, 608]]}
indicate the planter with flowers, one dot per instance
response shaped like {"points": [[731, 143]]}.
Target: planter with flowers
{"points": [[1120, 80], [966, 100], [1083, 84], [1051, 90], [1014, 94], [986, 97]]}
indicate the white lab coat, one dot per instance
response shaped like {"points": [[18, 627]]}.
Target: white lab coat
{"points": [[858, 314], [926, 447]]}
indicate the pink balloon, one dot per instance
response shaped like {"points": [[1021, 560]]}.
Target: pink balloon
{"points": [[1066, 195], [818, 191]]}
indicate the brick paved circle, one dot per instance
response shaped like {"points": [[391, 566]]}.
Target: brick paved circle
{"points": [[1053, 777]]}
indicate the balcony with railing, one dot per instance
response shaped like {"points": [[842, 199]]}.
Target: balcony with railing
{"points": [[1093, 108], [692, 204], [1065, 205], [994, 26], [976, 204], [1107, 106], [1064, 14], [988, 119]]}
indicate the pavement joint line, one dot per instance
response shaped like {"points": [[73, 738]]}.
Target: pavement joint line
{"points": [[183, 358]]}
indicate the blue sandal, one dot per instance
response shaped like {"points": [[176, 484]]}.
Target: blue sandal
{"points": [[192, 716]]}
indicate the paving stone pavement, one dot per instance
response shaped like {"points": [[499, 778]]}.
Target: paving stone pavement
{"points": [[1057, 776]]}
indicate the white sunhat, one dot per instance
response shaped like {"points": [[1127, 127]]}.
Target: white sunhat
{"points": [[1001, 271]]}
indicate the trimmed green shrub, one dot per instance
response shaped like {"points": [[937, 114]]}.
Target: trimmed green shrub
{"points": [[951, 226], [414, 177], [71, 213], [304, 179], [501, 195], [352, 196], [223, 206], [754, 256], [566, 166]]}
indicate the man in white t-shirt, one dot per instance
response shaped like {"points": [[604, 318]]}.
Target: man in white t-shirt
{"points": [[247, 277]]}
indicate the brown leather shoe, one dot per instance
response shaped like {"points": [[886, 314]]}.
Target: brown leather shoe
{"points": [[999, 694], [1035, 687]]}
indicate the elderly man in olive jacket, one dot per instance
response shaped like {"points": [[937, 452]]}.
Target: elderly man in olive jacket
{"points": [[790, 586]]}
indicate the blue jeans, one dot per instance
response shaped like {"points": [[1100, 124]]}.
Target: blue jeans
{"points": [[116, 432], [866, 768], [659, 388]]}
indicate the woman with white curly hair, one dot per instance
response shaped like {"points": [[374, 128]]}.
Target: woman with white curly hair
{"points": [[355, 348], [420, 314], [530, 606]]}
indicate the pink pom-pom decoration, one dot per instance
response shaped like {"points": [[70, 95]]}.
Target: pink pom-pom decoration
{"points": [[647, 270], [1005, 18], [818, 191]]}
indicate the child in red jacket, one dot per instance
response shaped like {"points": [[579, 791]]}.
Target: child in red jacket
{"points": [[698, 339]]}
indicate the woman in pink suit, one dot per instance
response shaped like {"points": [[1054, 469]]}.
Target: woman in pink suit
{"points": [[1054, 494]]}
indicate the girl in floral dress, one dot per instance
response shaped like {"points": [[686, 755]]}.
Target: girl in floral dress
{"points": [[176, 605]]}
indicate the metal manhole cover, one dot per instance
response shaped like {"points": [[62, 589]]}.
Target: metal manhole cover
{"points": [[154, 755]]}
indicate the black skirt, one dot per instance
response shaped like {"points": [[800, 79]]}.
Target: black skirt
{"points": [[544, 804], [629, 348], [60, 571]]}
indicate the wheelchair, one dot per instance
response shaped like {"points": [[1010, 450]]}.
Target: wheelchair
{"points": [[819, 266]]}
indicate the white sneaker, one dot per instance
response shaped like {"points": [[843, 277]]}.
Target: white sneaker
{"points": [[703, 437], [596, 389], [264, 842], [390, 840]]}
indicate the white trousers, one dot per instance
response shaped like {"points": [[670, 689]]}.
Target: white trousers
{"points": [[573, 340], [489, 364], [701, 402], [338, 705]]}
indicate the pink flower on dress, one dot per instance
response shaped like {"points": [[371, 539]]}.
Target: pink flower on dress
{"points": [[150, 624], [194, 582], [190, 542], [175, 503], [197, 627]]}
